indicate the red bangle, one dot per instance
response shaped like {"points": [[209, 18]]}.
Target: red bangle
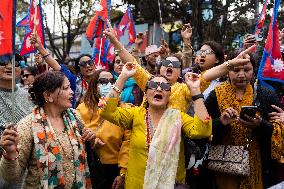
{"points": [[11, 159]]}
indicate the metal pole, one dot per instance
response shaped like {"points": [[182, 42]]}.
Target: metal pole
{"points": [[154, 33], [101, 42], [161, 19], [256, 10], [54, 4], [13, 88]]}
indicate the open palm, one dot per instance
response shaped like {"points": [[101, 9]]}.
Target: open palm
{"points": [[192, 80], [129, 69]]}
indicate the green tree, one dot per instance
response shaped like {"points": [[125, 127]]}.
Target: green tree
{"points": [[225, 18], [74, 16], [22, 10]]}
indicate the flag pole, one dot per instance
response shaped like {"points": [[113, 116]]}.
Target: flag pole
{"points": [[100, 53], [161, 19], [35, 15], [13, 88]]}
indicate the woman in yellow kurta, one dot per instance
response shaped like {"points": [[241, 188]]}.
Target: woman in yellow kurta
{"points": [[156, 152], [180, 94], [111, 141], [224, 105]]}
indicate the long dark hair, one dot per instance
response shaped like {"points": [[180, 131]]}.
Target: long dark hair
{"points": [[92, 96]]}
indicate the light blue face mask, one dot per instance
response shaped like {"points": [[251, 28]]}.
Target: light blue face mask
{"points": [[104, 89]]}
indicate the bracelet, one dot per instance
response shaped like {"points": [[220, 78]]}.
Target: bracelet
{"points": [[45, 56], [229, 66], [195, 97], [11, 159], [118, 50], [116, 89]]}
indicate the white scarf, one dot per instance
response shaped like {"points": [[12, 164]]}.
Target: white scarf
{"points": [[163, 153]]}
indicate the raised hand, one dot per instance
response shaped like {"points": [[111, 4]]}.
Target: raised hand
{"points": [[186, 32], [139, 39], [228, 116], [9, 140], [249, 40], [242, 59], [128, 70], [164, 48], [110, 33], [35, 41], [192, 80]]}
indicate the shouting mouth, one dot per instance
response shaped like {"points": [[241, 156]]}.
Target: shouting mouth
{"points": [[169, 72], [158, 97]]}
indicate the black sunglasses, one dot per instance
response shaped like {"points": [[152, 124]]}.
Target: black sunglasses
{"points": [[84, 63], [175, 64], [17, 64], [105, 81], [26, 75], [155, 85]]}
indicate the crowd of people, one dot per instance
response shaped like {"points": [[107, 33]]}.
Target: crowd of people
{"points": [[141, 124]]}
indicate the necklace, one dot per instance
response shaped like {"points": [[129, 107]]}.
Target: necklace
{"points": [[68, 158], [149, 129]]}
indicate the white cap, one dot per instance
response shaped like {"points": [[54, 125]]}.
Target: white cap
{"points": [[151, 49]]}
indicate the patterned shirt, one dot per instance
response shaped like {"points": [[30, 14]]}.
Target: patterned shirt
{"points": [[22, 106]]}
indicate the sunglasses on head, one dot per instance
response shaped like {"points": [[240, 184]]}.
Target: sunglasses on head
{"points": [[84, 63], [154, 85], [205, 52], [17, 64], [105, 81], [174, 64]]}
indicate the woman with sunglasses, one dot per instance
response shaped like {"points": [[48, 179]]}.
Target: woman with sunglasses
{"points": [[131, 92], [154, 160], [28, 76], [111, 140], [84, 67], [180, 96]]}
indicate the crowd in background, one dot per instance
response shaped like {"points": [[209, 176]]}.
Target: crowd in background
{"points": [[146, 122]]}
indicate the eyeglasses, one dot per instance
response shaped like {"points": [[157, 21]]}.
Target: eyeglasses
{"points": [[155, 85], [84, 63], [175, 64], [17, 64], [205, 52], [105, 81]]}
